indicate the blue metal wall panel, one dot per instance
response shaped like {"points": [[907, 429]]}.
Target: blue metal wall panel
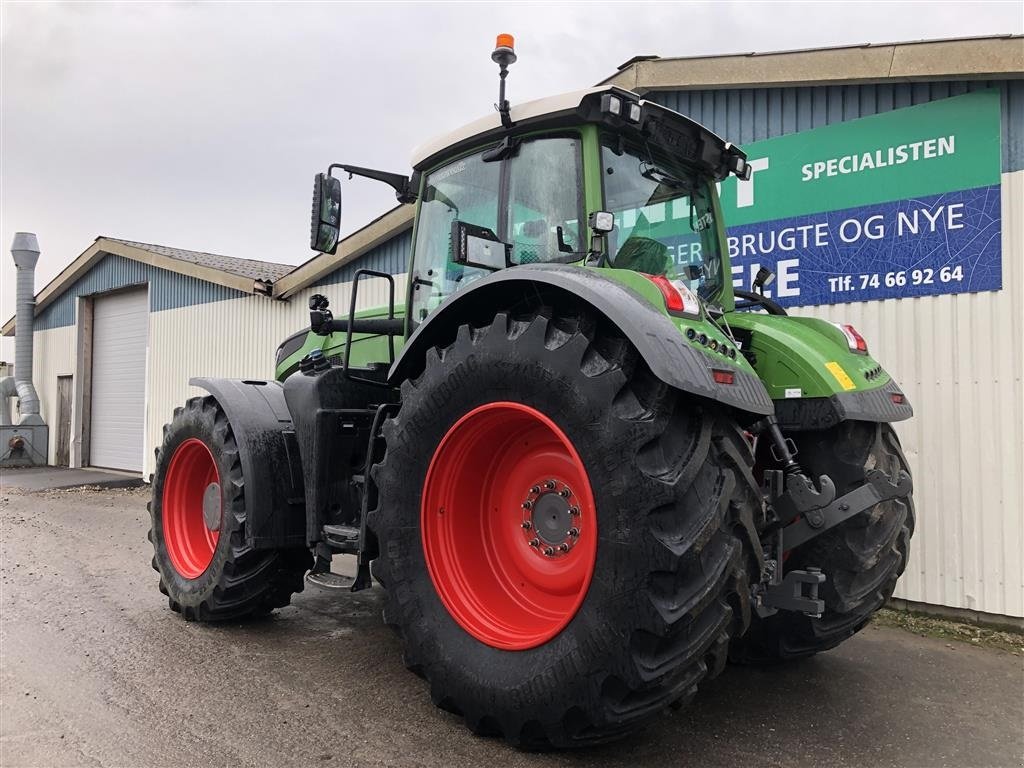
{"points": [[167, 290], [391, 256], [745, 115]]}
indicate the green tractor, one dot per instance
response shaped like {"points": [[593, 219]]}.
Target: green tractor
{"points": [[586, 470]]}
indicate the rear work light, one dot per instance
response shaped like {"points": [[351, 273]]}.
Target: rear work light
{"points": [[679, 299], [854, 340]]}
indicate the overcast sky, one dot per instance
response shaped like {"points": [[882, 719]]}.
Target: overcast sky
{"points": [[200, 125]]}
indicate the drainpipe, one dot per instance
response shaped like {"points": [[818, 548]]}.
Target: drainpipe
{"points": [[25, 250]]}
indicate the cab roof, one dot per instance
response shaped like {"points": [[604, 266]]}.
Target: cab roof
{"points": [[564, 110]]}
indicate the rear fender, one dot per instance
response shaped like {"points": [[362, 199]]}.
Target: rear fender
{"points": [[658, 340], [269, 454]]}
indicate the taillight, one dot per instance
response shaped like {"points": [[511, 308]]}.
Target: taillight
{"points": [[679, 299], [854, 340], [722, 377]]}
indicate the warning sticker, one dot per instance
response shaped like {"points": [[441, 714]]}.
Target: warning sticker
{"points": [[841, 376]]}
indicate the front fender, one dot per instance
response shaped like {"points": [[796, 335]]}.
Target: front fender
{"points": [[813, 377], [269, 454], [659, 341]]}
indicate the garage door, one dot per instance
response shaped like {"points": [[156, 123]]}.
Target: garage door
{"points": [[119, 334]]}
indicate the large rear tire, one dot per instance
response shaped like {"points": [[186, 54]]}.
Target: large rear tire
{"points": [[862, 558], [622, 593], [206, 569]]}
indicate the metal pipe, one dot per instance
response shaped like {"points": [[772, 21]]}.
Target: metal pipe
{"points": [[25, 250]]}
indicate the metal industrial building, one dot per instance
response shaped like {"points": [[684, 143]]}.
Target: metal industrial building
{"points": [[958, 355]]}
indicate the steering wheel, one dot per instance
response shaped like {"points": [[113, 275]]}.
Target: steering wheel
{"points": [[751, 299]]}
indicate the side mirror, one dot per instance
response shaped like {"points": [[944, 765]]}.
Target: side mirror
{"points": [[325, 226], [479, 247], [763, 278]]}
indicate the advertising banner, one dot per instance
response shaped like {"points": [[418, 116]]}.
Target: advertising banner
{"points": [[905, 203]]}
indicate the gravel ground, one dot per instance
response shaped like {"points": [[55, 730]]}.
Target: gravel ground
{"points": [[96, 671]]}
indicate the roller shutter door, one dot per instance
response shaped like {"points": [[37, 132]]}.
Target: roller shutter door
{"points": [[119, 336]]}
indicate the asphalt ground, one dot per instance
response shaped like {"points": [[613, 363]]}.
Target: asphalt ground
{"points": [[96, 671]]}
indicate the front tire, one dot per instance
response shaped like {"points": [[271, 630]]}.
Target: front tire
{"points": [[198, 517], [862, 558], [571, 646]]}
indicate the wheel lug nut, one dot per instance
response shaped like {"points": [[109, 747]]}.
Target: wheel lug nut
{"points": [[574, 532], [549, 551], [534, 542], [574, 511], [535, 489], [550, 485], [527, 504], [527, 525], [565, 493]]}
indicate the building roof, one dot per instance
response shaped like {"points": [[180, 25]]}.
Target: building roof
{"points": [[246, 275], [996, 57], [267, 271]]}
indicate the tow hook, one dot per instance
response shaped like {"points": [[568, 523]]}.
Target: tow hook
{"points": [[788, 594]]}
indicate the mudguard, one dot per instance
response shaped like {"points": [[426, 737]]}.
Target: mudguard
{"points": [[670, 357], [816, 381], [269, 453]]}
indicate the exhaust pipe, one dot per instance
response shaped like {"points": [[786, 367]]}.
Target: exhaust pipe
{"points": [[25, 250]]}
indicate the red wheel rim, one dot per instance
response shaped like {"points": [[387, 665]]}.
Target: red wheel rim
{"points": [[191, 530], [509, 526]]}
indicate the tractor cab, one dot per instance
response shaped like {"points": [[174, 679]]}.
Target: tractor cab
{"points": [[599, 178]]}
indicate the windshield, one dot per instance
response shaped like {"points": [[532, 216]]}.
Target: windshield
{"points": [[664, 216]]}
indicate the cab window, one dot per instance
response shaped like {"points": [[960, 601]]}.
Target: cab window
{"points": [[545, 202], [468, 190], [531, 201], [664, 216]]}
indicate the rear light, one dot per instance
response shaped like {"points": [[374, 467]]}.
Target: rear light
{"points": [[897, 398], [679, 299], [722, 377], [854, 340]]}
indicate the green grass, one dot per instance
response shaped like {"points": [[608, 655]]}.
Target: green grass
{"points": [[944, 629]]}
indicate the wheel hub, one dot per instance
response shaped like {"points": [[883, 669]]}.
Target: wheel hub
{"points": [[211, 507], [551, 522]]}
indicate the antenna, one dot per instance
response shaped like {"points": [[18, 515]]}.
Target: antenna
{"points": [[504, 55]]}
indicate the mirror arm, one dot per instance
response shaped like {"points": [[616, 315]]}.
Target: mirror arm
{"points": [[404, 186]]}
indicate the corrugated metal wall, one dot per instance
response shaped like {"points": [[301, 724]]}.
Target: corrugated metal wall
{"points": [[744, 115], [391, 257], [960, 359], [167, 289]]}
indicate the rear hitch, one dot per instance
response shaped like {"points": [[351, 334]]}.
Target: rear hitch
{"points": [[789, 594], [878, 487], [809, 510], [814, 509]]}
